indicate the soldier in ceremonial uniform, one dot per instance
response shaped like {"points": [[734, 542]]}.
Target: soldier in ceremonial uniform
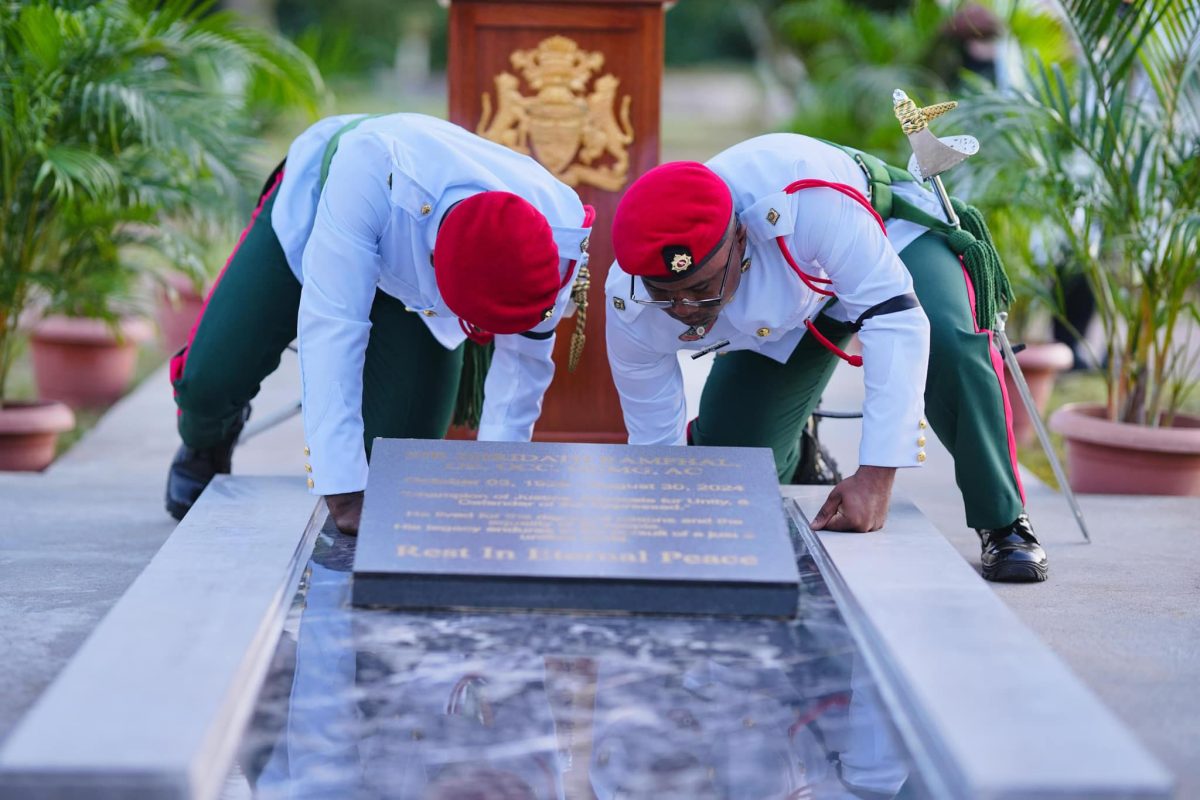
{"points": [[384, 243], [773, 253]]}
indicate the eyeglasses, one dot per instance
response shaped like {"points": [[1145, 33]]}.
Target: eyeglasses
{"points": [[687, 301]]}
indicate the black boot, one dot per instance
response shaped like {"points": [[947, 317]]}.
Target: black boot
{"points": [[816, 465], [1012, 554], [193, 468]]}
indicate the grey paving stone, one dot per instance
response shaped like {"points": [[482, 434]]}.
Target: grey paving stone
{"points": [[154, 701], [72, 539], [1123, 612], [994, 705]]}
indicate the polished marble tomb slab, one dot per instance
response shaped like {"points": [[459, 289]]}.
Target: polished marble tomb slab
{"points": [[874, 687]]}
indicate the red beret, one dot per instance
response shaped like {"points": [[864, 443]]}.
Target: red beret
{"points": [[496, 263], [670, 220]]}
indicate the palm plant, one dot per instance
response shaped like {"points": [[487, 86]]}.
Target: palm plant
{"points": [[1106, 152], [122, 122]]}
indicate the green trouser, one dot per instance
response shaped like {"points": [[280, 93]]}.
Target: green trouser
{"points": [[409, 379], [751, 400]]}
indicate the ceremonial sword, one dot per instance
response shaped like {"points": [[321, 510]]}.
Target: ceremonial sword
{"points": [[931, 157]]}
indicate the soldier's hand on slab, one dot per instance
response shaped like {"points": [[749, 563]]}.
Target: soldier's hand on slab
{"points": [[346, 510], [859, 503]]}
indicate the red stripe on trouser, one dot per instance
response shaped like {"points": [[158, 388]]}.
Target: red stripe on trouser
{"points": [[179, 360], [998, 368]]}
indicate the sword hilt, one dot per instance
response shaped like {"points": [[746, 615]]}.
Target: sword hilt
{"points": [[931, 155], [913, 119]]}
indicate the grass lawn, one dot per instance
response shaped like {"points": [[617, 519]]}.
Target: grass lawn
{"points": [[1072, 387]]}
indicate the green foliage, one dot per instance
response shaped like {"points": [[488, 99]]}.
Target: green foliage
{"points": [[1037, 29], [855, 53], [352, 37], [854, 57], [699, 31], [1105, 152], [123, 128]]}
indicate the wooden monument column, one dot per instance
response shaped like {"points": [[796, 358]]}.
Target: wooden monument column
{"points": [[576, 85]]}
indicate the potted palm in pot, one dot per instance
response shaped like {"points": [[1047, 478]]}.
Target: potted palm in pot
{"points": [[122, 123], [1107, 150], [84, 347]]}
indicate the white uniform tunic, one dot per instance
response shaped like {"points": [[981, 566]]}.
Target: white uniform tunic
{"points": [[372, 226], [830, 235]]}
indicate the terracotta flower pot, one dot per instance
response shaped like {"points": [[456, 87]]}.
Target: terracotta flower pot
{"points": [[81, 362], [1040, 364], [29, 431], [1119, 458], [178, 307]]}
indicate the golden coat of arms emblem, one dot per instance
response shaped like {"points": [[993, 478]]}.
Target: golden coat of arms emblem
{"points": [[580, 137]]}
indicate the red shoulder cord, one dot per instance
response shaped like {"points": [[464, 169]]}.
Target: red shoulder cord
{"points": [[478, 335], [811, 281], [475, 333]]}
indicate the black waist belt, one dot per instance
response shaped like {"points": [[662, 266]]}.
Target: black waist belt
{"points": [[901, 302]]}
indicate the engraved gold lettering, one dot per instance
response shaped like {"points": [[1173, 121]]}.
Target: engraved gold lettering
{"points": [[707, 559], [413, 551], [499, 554], [554, 554]]}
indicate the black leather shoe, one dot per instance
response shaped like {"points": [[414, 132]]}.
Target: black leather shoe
{"points": [[193, 468], [816, 466], [1012, 554]]}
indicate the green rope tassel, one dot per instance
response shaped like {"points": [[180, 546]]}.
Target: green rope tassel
{"points": [[973, 243], [468, 406]]}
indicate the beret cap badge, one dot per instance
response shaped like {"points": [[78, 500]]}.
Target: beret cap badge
{"points": [[678, 261]]}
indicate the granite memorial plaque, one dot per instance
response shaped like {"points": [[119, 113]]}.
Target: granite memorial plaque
{"points": [[695, 530]]}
